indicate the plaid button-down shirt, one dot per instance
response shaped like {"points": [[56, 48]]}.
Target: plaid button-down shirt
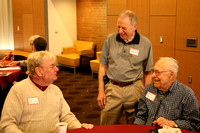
{"points": [[179, 104]]}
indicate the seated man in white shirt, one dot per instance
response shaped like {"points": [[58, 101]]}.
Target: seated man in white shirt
{"points": [[35, 105]]}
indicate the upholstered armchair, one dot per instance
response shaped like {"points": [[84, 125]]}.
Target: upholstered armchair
{"points": [[71, 55], [94, 64]]}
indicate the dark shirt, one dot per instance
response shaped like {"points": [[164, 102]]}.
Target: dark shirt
{"points": [[179, 104]]}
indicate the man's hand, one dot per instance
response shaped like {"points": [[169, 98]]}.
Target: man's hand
{"points": [[87, 126], [13, 63], [164, 122], [101, 99]]}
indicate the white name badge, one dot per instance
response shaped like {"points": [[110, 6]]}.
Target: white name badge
{"points": [[33, 100], [150, 96], [134, 51]]}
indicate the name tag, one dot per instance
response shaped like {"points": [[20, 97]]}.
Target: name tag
{"points": [[150, 96], [134, 51], [33, 100]]}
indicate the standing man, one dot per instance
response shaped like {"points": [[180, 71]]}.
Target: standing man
{"points": [[126, 58], [35, 105], [167, 102]]}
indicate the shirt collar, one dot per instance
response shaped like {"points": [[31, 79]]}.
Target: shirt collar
{"points": [[42, 88], [173, 85], [135, 40], [170, 90]]}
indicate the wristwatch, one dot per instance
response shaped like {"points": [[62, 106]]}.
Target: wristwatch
{"points": [[175, 125]]}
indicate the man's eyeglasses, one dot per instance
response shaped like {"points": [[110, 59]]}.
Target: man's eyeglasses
{"points": [[51, 66], [158, 72]]}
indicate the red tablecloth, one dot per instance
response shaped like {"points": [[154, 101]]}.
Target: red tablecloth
{"points": [[119, 129], [7, 80]]}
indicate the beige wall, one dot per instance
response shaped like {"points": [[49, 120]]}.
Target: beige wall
{"points": [[61, 24]]}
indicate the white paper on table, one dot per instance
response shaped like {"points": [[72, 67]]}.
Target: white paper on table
{"points": [[9, 68], [169, 130], [175, 130]]}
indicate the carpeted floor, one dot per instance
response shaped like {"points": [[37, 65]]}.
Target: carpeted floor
{"points": [[80, 91]]}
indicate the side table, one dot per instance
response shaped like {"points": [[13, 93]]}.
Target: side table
{"points": [[86, 57]]}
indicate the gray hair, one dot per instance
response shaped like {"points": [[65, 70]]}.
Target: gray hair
{"points": [[171, 63], [36, 59], [132, 16], [32, 38]]}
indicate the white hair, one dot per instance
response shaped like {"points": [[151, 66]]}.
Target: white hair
{"points": [[36, 59], [171, 63], [132, 16], [32, 38]]}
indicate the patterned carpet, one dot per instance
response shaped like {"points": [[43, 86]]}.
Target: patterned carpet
{"points": [[80, 91]]}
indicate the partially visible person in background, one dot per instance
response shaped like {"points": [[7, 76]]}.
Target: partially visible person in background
{"points": [[37, 43], [35, 105], [167, 102]]}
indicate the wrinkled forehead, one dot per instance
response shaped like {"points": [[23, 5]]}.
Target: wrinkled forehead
{"points": [[124, 18], [161, 65], [124, 21], [47, 59]]}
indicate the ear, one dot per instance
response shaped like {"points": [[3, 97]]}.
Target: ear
{"points": [[172, 74], [135, 26], [38, 71], [34, 49]]}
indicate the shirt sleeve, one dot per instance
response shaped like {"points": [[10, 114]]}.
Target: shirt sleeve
{"points": [[148, 65], [190, 113], [142, 114], [67, 116], [11, 113], [104, 53], [23, 63]]}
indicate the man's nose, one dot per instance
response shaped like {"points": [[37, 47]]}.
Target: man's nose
{"points": [[153, 74], [56, 68], [120, 30]]}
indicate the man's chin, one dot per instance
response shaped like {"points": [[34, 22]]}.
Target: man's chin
{"points": [[55, 78], [123, 37], [157, 85]]}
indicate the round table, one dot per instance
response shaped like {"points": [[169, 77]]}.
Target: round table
{"points": [[7, 80], [118, 129]]}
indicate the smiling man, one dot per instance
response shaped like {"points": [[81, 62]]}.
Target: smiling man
{"points": [[126, 58], [167, 102], [35, 105]]}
